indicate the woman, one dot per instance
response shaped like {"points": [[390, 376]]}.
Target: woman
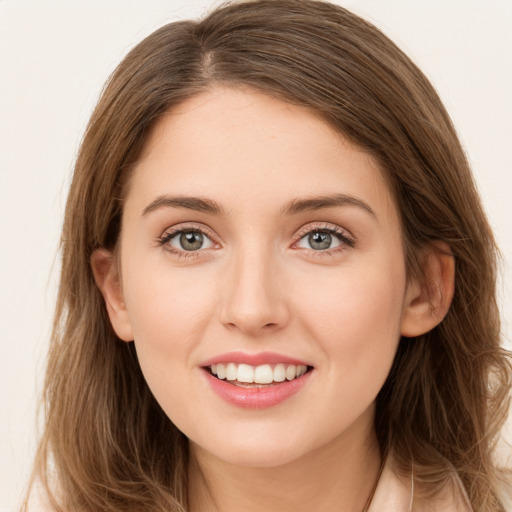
{"points": [[278, 283]]}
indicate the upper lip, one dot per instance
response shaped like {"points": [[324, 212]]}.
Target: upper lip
{"points": [[255, 359]]}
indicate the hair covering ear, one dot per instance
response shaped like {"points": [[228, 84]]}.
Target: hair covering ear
{"points": [[428, 298], [106, 275]]}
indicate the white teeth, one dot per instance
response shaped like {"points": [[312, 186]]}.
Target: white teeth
{"points": [[231, 371], [291, 372], [245, 373], [263, 374], [279, 373], [221, 371]]}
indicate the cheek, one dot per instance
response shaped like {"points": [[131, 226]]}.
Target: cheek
{"points": [[168, 309], [158, 296], [355, 318]]}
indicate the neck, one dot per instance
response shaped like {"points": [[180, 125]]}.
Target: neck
{"points": [[337, 476]]}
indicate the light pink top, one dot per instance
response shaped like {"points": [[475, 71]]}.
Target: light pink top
{"points": [[396, 494], [393, 494]]}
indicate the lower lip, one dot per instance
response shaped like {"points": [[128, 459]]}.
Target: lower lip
{"points": [[256, 398]]}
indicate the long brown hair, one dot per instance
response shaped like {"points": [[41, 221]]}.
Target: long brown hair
{"points": [[107, 445]]}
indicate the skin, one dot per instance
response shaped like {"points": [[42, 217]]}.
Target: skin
{"points": [[260, 286]]}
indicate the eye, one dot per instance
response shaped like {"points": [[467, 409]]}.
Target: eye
{"points": [[319, 241], [189, 240], [324, 239]]}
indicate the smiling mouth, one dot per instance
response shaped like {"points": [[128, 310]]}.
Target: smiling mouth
{"points": [[265, 375]]}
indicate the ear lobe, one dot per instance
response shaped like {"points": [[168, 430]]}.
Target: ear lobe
{"points": [[106, 275], [427, 301]]}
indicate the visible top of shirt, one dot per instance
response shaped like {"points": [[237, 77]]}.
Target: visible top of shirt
{"points": [[395, 493]]}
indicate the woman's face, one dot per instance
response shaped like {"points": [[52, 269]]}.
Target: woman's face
{"points": [[257, 243]]}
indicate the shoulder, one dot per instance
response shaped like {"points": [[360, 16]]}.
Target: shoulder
{"points": [[396, 493], [38, 500], [452, 498]]}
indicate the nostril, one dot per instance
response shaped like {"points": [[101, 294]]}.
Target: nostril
{"points": [[251, 324]]}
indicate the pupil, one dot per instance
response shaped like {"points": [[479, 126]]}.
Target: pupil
{"points": [[319, 240], [191, 241]]}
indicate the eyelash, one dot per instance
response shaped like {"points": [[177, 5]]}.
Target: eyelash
{"points": [[173, 232], [342, 235]]}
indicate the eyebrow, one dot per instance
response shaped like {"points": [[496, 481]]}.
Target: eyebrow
{"points": [[327, 201], [191, 203], [292, 208]]}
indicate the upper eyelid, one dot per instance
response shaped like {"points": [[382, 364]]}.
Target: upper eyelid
{"points": [[344, 236], [190, 226], [323, 226]]}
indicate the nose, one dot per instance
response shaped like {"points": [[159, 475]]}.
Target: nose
{"points": [[254, 294]]}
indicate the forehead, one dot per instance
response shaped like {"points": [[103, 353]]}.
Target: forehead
{"points": [[247, 149]]}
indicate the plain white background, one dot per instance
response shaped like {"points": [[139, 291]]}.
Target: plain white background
{"points": [[54, 59]]}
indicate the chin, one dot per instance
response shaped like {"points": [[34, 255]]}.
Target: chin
{"points": [[252, 453]]}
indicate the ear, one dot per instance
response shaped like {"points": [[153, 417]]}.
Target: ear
{"points": [[428, 300], [106, 275]]}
